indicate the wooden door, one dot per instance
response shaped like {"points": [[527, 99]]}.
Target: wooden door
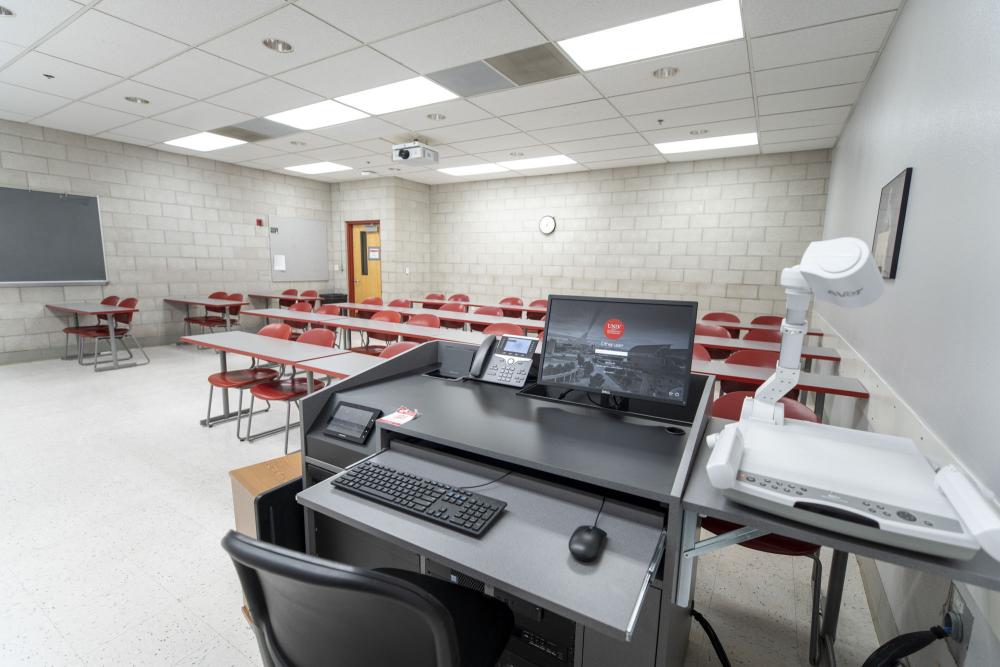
{"points": [[366, 261]]}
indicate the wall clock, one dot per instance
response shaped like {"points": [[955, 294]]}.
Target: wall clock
{"points": [[547, 224]]}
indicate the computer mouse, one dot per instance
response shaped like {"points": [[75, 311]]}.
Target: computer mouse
{"points": [[586, 543]]}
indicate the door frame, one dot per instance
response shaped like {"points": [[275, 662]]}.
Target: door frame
{"points": [[349, 227]]}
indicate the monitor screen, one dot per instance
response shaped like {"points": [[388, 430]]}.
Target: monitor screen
{"points": [[623, 347]]}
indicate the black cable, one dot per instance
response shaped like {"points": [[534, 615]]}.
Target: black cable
{"points": [[890, 653], [601, 509], [720, 651], [476, 486]]}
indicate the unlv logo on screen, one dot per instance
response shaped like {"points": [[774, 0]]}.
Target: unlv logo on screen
{"points": [[614, 329]]}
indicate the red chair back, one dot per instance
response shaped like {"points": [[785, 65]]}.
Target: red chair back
{"points": [[234, 311], [437, 296], [328, 309], [309, 292], [285, 303], [107, 301], [372, 301], [126, 318], [504, 329], [495, 311], [280, 330], [725, 317], [388, 316], [216, 309], [763, 336], [458, 297], [511, 301], [424, 320], [759, 358], [401, 303], [700, 353], [323, 337], [713, 330], [397, 348], [767, 319], [454, 307], [729, 406], [301, 307], [538, 303]]}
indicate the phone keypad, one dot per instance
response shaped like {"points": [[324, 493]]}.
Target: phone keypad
{"points": [[507, 370]]}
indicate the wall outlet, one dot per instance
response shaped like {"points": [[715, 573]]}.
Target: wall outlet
{"points": [[336, 267], [958, 613], [406, 270]]}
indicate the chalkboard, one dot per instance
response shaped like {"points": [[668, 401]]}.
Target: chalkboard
{"points": [[50, 238]]}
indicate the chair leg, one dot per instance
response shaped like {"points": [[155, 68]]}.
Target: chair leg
{"points": [[249, 420], [817, 586], [137, 344]]}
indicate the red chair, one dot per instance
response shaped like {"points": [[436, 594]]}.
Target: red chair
{"points": [[299, 327], [102, 321], [774, 320], [511, 301], [309, 292], [328, 309], [715, 331], [121, 333], [423, 320], [234, 311], [208, 321], [459, 297], [397, 348], [538, 303], [290, 389], [380, 316], [725, 317], [496, 311], [370, 301], [401, 303], [285, 303], [700, 353], [504, 329], [758, 358], [243, 379], [436, 296], [763, 336], [453, 307], [729, 406]]}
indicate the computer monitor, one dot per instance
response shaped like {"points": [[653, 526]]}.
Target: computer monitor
{"points": [[632, 348]]}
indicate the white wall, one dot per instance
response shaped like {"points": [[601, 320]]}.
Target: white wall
{"points": [[933, 103]]}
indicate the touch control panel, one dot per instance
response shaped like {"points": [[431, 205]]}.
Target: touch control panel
{"points": [[511, 361]]}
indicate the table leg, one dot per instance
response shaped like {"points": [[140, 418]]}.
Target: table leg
{"points": [[225, 392], [820, 401], [76, 323], [831, 612]]}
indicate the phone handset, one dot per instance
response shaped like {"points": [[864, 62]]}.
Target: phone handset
{"points": [[482, 356]]}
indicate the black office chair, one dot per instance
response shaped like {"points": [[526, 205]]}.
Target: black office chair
{"points": [[310, 612]]}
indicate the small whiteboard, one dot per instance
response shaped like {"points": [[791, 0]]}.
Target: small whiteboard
{"points": [[299, 250]]}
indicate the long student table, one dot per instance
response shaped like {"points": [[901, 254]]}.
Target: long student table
{"points": [[205, 302], [755, 327], [808, 351], [540, 310], [284, 297], [95, 309], [346, 324], [449, 316], [274, 350], [288, 315], [340, 366]]}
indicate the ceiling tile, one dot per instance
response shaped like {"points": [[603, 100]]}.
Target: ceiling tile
{"points": [[763, 17], [380, 146], [714, 154], [359, 130], [711, 62], [106, 43], [633, 162], [27, 103], [311, 39], [198, 74], [455, 112], [335, 153], [569, 113], [833, 40], [264, 97], [675, 97], [203, 116], [16, 117], [244, 152], [819, 98], [600, 128], [479, 129], [8, 51], [380, 160], [148, 131], [159, 100], [311, 142], [71, 80], [808, 145], [33, 19], [504, 142], [521, 153], [489, 31], [560, 19], [538, 96], [615, 154], [851, 69], [800, 134], [705, 113], [85, 118], [719, 129], [381, 18], [349, 72], [601, 143], [188, 21], [781, 121], [280, 161]]}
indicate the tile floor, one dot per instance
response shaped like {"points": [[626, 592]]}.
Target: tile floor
{"points": [[114, 501]]}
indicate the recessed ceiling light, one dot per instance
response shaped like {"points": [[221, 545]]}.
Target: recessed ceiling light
{"points": [[516, 154], [415, 92], [538, 162], [204, 141], [136, 100], [367, 173], [320, 114], [5, 12], [710, 23], [698, 133], [707, 144], [279, 45], [473, 169], [297, 143], [436, 116], [318, 168], [665, 72]]}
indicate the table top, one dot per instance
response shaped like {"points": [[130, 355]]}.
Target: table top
{"points": [[819, 382], [286, 297], [90, 308], [408, 330], [448, 316], [700, 496], [342, 365], [270, 349], [290, 315], [508, 306], [808, 351], [203, 301], [756, 327]]}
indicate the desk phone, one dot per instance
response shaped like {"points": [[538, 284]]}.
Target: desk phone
{"points": [[504, 361]]}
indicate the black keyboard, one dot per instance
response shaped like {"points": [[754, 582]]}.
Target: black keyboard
{"points": [[466, 512]]}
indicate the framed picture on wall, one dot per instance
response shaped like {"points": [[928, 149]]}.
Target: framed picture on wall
{"points": [[889, 224]]}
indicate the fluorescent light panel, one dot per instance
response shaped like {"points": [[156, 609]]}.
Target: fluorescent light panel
{"points": [[707, 144], [318, 168], [473, 170], [538, 162], [314, 116], [691, 28], [204, 141], [407, 94]]}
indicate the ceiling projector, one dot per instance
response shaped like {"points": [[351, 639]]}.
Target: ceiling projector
{"points": [[414, 153]]}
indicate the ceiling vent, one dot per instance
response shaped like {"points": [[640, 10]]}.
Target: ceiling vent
{"points": [[472, 79], [257, 129], [534, 64]]}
